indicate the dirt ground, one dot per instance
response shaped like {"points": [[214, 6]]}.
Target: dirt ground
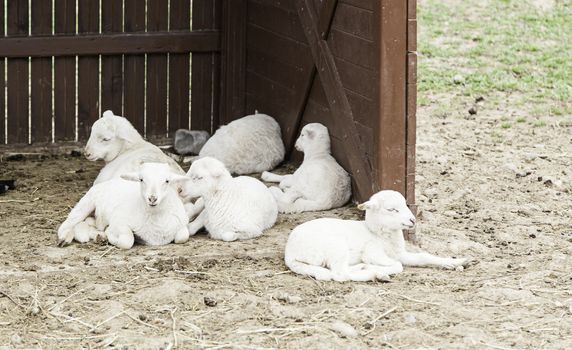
{"points": [[501, 197]]}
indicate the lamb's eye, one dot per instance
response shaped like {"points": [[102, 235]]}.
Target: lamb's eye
{"points": [[105, 139], [141, 180], [166, 181]]}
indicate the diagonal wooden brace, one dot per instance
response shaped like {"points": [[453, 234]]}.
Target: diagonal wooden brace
{"points": [[337, 99]]}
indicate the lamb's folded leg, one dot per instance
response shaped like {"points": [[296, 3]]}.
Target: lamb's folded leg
{"points": [[426, 259], [79, 213], [271, 177], [194, 209], [300, 205], [197, 224], [120, 236], [182, 235]]}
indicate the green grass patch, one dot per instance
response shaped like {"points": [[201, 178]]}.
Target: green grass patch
{"points": [[497, 46]]}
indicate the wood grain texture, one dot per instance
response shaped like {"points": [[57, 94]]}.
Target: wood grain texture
{"points": [[112, 66], [134, 68], [2, 82], [391, 137], [41, 76], [179, 69], [88, 71], [156, 114], [18, 71], [64, 75]]}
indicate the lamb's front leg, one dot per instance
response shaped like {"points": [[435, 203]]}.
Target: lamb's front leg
{"points": [[271, 177], [120, 236], [426, 259], [198, 223], [194, 209], [301, 205]]}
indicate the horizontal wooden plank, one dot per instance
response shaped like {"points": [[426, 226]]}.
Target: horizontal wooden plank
{"points": [[110, 44], [257, 102], [354, 20], [352, 49], [269, 66], [276, 19], [287, 5], [362, 4], [278, 94], [285, 49], [357, 79], [362, 108]]}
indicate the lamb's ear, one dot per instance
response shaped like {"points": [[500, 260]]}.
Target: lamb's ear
{"points": [[310, 134], [130, 177], [179, 179], [367, 205]]}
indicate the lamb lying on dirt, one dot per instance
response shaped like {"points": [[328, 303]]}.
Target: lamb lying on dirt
{"points": [[251, 144], [234, 208], [141, 205], [350, 250], [118, 143], [320, 183]]}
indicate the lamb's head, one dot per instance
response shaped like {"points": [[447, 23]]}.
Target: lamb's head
{"points": [[154, 179], [203, 178], [110, 135], [313, 139], [387, 211]]}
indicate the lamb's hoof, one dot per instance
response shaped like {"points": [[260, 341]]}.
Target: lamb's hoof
{"points": [[468, 262], [63, 242], [228, 236], [383, 278], [65, 238], [266, 176]]}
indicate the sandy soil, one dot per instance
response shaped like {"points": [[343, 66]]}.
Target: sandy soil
{"points": [[482, 191]]}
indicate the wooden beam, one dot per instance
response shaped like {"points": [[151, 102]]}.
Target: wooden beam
{"points": [[110, 44], [327, 13], [337, 100], [233, 60]]}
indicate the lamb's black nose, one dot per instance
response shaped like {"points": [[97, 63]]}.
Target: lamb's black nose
{"points": [[412, 221], [152, 199]]}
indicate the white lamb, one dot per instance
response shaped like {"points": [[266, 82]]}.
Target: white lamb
{"points": [[140, 205], [234, 208], [251, 144], [342, 250], [118, 143], [320, 183]]}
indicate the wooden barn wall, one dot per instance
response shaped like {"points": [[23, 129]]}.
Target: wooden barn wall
{"points": [[279, 62]]}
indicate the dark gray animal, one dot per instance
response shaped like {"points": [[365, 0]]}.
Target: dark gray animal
{"points": [[190, 141]]}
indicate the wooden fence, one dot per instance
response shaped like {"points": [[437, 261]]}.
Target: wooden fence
{"points": [[67, 61]]}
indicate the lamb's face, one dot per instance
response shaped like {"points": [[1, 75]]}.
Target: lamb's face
{"points": [[154, 179], [203, 177], [387, 210], [314, 138], [103, 142]]}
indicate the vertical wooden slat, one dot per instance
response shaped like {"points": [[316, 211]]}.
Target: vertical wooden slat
{"points": [[64, 75], [157, 20], [233, 60], [203, 67], [135, 68], [2, 81], [391, 130], [18, 76], [112, 66], [41, 81], [179, 71], [88, 71], [411, 121]]}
